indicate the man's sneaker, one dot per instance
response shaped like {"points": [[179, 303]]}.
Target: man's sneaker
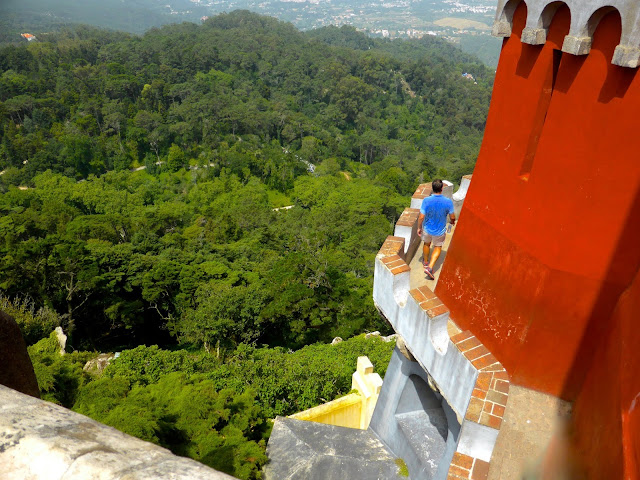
{"points": [[429, 272]]}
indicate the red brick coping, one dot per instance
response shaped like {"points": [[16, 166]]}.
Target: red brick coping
{"points": [[423, 191], [466, 467]]}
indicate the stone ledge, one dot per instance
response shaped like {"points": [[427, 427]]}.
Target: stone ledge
{"points": [[576, 45], [501, 29], [626, 56], [407, 229], [534, 36], [490, 393], [45, 441], [408, 217], [425, 189]]}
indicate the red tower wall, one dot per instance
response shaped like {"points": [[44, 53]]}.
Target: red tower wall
{"points": [[606, 418], [550, 232], [544, 267]]}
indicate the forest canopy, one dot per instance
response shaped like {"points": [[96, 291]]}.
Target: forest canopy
{"points": [[150, 170], [85, 101]]}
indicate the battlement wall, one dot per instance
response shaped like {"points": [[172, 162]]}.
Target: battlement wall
{"points": [[585, 17], [459, 366]]}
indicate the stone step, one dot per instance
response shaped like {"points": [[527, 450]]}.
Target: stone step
{"points": [[302, 450], [426, 432]]}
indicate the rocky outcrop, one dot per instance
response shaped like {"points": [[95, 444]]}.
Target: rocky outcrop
{"points": [[97, 365], [62, 339]]}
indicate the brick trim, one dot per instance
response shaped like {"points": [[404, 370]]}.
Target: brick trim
{"points": [[409, 217], [392, 246], [423, 191], [464, 467]]}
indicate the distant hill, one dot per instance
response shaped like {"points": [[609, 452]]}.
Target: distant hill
{"points": [[466, 26], [134, 16]]}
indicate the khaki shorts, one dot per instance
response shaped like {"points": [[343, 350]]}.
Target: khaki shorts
{"points": [[436, 240]]}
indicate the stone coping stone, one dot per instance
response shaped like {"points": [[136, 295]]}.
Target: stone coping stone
{"points": [[41, 440]]}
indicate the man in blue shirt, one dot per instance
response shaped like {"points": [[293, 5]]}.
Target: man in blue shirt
{"points": [[432, 225]]}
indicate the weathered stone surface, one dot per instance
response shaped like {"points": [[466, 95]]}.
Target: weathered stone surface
{"points": [[16, 370], [426, 432], [414, 421], [576, 45], [534, 36], [40, 440], [626, 56], [313, 451], [531, 420], [62, 339], [97, 365], [401, 345]]}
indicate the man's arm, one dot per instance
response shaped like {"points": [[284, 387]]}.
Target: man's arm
{"points": [[420, 223], [452, 213]]}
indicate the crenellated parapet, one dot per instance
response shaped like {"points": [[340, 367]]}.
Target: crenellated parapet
{"points": [[585, 17], [463, 370]]}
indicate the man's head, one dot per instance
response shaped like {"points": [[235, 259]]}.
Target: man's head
{"points": [[436, 186]]}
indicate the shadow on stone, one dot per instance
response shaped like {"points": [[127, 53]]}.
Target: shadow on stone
{"points": [[16, 370]]}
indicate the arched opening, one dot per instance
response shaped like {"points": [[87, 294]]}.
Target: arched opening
{"points": [[580, 42], [428, 425], [503, 26], [537, 35], [544, 21], [598, 15], [605, 30]]}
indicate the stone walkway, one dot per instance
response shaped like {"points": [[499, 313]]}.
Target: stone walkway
{"points": [[418, 277], [530, 421], [531, 418]]}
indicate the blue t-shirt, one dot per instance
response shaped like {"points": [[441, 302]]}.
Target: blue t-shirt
{"points": [[435, 210]]}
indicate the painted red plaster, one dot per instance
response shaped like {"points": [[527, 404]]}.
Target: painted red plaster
{"points": [[543, 268], [607, 411]]}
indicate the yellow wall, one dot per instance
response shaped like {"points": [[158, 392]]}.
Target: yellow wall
{"points": [[342, 412], [354, 410]]}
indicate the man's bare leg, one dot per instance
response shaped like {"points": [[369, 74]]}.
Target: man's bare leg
{"points": [[425, 253], [434, 256]]}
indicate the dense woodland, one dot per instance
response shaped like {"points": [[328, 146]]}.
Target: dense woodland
{"points": [[140, 194]]}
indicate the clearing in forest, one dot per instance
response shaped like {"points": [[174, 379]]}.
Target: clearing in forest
{"points": [[461, 24]]}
